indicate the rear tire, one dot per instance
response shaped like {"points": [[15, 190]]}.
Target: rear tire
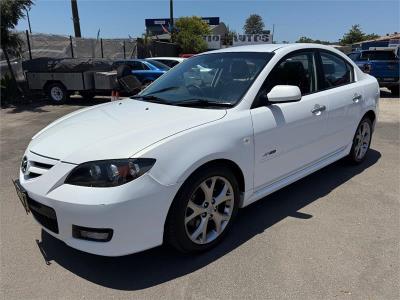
{"points": [[361, 141], [207, 202], [57, 93]]}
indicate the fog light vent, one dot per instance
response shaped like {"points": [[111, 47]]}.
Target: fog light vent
{"points": [[92, 234]]}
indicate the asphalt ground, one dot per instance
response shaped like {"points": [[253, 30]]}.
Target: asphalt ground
{"points": [[332, 235]]}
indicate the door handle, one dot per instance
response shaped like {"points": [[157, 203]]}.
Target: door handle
{"points": [[318, 109], [357, 98]]}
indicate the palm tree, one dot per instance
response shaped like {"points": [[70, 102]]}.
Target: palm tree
{"points": [[11, 12]]}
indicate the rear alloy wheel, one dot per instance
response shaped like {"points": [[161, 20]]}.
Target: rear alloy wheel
{"points": [[203, 210], [361, 141], [57, 93]]}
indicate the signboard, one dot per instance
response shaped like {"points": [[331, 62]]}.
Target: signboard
{"points": [[213, 41], [251, 39], [165, 21]]}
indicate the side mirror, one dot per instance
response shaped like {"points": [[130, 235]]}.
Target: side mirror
{"points": [[284, 93]]}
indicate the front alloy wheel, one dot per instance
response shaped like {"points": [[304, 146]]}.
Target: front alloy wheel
{"points": [[203, 210], [209, 209]]}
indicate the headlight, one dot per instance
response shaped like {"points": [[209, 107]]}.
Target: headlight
{"points": [[108, 173]]}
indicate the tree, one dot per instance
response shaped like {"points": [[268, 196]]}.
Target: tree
{"points": [[11, 12], [356, 35], [190, 32], [305, 39], [254, 25]]}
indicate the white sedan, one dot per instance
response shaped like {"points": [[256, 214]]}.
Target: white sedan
{"points": [[175, 163]]}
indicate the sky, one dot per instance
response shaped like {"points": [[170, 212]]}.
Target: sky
{"points": [[322, 19]]}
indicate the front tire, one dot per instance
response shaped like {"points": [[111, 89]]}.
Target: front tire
{"points": [[203, 210], [361, 141]]}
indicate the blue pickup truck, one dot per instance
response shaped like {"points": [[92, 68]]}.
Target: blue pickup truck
{"points": [[382, 64]]}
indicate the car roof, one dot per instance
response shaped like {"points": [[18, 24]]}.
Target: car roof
{"points": [[167, 58], [130, 59], [272, 47]]}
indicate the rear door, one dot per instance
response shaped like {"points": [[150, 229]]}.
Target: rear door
{"points": [[344, 97]]}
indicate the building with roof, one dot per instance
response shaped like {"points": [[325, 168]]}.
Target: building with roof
{"points": [[160, 28]]}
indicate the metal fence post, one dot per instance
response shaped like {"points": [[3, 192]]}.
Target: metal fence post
{"points": [[72, 46], [29, 44], [101, 47], [123, 47]]}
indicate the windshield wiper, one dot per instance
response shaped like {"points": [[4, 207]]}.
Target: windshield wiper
{"points": [[163, 90], [202, 103], [150, 98]]}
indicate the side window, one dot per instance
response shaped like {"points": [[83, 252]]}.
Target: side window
{"points": [[336, 71], [143, 66], [298, 69], [137, 65]]}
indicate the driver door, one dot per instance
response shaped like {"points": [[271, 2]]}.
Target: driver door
{"points": [[289, 136]]}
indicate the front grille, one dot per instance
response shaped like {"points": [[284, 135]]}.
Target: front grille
{"points": [[44, 214], [38, 165]]}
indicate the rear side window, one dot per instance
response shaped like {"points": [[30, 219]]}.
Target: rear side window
{"points": [[136, 65], [159, 65], [336, 71], [378, 55], [169, 63]]}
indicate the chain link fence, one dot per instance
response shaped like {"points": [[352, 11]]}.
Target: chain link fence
{"points": [[39, 45]]}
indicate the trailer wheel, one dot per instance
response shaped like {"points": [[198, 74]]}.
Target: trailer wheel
{"points": [[57, 93]]}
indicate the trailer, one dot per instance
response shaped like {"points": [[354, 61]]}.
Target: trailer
{"points": [[58, 86], [59, 78]]}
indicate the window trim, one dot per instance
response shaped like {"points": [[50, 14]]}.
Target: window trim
{"points": [[313, 51], [322, 73]]}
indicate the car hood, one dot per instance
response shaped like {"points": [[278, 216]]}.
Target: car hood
{"points": [[116, 130]]}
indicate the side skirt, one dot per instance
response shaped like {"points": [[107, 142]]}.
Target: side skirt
{"points": [[297, 174]]}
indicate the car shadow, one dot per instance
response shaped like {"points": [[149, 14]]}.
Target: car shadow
{"points": [[155, 266], [385, 93]]}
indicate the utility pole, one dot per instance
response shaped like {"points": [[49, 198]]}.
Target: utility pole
{"points": [[171, 17], [29, 21], [273, 32], [75, 18]]}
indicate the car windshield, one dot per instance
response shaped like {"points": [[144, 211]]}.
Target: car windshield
{"points": [[216, 79], [159, 65]]}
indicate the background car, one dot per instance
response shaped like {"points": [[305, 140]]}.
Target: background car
{"points": [[382, 64], [169, 61], [146, 71]]}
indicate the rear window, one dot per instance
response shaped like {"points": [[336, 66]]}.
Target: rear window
{"points": [[378, 55], [159, 65]]}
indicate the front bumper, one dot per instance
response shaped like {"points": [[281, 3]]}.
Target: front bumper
{"points": [[136, 211]]}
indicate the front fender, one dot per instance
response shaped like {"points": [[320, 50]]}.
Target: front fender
{"points": [[229, 138]]}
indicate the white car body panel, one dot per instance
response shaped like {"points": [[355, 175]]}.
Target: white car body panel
{"points": [[273, 146], [98, 133]]}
